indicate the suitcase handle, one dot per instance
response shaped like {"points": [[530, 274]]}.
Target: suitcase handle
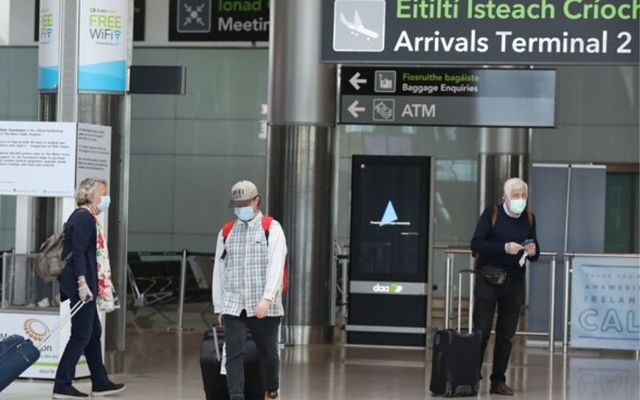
{"points": [[63, 322], [471, 299], [216, 344]]}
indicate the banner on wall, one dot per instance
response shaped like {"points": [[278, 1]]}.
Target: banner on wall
{"points": [[48, 44], [94, 152], [605, 299], [600, 32], [49, 159], [103, 46], [37, 158]]}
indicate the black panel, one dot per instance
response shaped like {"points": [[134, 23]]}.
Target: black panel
{"points": [[151, 79], [139, 14], [386, 339], [387, 310]]}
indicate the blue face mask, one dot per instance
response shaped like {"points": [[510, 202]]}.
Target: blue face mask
{"points": [[244, 213], [104, 203]]}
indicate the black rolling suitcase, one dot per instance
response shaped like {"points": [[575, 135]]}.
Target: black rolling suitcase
{"points": [[455, 369], [215, 384]]}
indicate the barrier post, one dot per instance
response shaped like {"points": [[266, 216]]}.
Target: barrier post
{"points": [[183, 279], [552, 305], [472, 282], [567, 276], [447, 291]]}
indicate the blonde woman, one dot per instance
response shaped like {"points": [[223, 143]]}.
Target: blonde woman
{"points": [[84, 279]]}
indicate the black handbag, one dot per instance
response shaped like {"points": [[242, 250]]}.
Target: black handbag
{"points": [[493, 275]]}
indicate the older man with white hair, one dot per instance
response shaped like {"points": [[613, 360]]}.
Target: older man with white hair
{"points": [[504, 238]]}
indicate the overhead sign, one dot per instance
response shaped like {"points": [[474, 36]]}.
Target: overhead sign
{"points": [[103, 46], [604, 303], [219, 20], [445, 96], [48, 44], [481, 32]]}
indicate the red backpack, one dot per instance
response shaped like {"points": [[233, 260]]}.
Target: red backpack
{"points": [[266, 224]]}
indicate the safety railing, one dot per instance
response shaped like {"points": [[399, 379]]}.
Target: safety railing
{"points": [[450, 262], [568, 270]]}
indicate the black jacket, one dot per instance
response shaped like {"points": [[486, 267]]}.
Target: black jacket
{"points": [[489, 241], [80, 237]]}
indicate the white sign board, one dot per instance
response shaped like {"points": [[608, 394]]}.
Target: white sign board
{"points": [[37, 159], [103, 45], [603, 378], [94, 152], [48, 45], [36, 326], [605, 296]]}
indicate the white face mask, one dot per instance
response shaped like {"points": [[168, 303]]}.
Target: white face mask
{"points": [[517, 206]]}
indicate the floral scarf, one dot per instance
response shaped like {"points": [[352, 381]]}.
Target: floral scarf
{"points": [[107, 300]]}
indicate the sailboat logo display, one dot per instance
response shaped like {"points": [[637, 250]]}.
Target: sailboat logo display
{"points": [[390, 217]]}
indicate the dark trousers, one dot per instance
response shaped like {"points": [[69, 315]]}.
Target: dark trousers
{"points": [[509, 299], [85, 338], [265, 334]]}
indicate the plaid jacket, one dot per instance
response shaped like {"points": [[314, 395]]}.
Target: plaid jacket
{"points": [[251, 269]]}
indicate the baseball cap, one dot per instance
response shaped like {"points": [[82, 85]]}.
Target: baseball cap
{"points": [[242, 193]]}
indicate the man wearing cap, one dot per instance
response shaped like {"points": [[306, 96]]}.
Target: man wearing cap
{"points": [[247, 285]]}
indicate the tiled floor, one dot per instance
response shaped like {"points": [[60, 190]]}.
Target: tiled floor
{"points": [[164, 365]]}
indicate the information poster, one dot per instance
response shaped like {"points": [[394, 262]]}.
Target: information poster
{"points": [[605, 295], [37, 159], [48, 45], [94, 152], [36, 326], [103, 46]]}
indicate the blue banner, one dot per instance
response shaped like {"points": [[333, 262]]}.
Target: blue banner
{"points": [[605, 307]]}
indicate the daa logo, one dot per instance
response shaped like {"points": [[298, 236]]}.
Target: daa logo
{"points": [[394, 288]]}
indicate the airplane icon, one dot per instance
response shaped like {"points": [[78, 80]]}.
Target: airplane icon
{"points": [[357, 27]]}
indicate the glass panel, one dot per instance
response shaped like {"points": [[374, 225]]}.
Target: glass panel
{"points": [[621, 215]]}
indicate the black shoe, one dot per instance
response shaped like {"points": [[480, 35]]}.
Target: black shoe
{"points": [[501, 389], [69, 393], [108, 389]]}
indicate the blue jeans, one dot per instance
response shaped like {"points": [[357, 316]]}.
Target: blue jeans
{"points": [[85, 338], [265, 334]]}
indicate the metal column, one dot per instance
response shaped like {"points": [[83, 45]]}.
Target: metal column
{"points": [[504, 154], [102, 109], [301, 163]]}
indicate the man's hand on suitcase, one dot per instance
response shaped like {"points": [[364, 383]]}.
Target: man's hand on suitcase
{"points": [[262, 308], [83, 291], [220, 321]]}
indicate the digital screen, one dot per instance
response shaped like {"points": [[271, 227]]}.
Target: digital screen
{"points": [[389, 218]]}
